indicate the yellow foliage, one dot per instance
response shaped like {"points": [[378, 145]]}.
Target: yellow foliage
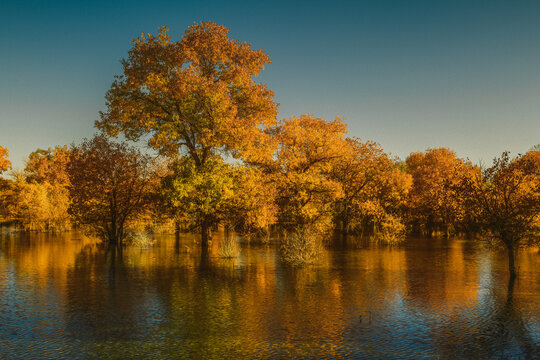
{"points": [[308, 148], [505, 198], [5, 164], [435, 202], [196, 95], [41, 207], [39, 197], [373, 186]]}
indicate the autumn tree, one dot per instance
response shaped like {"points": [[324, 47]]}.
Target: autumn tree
{"points": [[374, 188], [195, 97], [505, 200], [308, 148], [39, 206], [236, 196], [200, 196], [254, 208], [435, 205], [48, 166], [40, 198], [108, 187], [300, 170], [5, 164]]}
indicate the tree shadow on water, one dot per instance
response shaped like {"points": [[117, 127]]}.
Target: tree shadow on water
{"points": [[501, 332], [102, 297]]}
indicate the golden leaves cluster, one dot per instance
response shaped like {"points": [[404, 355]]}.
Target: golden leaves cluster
{"points": [[196, 95], [5, 164], [435, 201]]}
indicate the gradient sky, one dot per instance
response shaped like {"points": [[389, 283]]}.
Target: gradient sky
{"points": [[407, 74]]}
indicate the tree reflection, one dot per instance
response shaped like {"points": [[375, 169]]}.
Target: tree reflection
{"points": [[104, 298], [510, 327], [500, 332], [440, 299]]}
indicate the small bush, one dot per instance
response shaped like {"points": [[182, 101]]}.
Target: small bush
{"points": [[300, 247], [140, 239], [227, 249], [391, 231]]}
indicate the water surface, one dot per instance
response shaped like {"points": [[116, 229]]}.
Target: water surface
{"points": [[61, 296]]}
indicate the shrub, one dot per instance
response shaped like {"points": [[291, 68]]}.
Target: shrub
{"points": [[140, 239], [301, 246], [227, 249], [391, 231]]}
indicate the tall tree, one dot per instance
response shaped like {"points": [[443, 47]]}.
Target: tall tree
{"points": [[40, 196], [108, 186], [301, 171], [434, 202], [505, 199], [308, 148], [373, 186], [197, 97]]}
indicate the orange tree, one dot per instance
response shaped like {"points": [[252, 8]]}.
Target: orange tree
{"points": [[196, 97], [307, 149], [5, 164], [236, 195], [505, 200], [434, 202], [48, 166], [109, 185], [373, 186], [40, 198]]}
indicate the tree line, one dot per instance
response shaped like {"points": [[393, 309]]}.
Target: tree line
{"points": [[225, 160]]}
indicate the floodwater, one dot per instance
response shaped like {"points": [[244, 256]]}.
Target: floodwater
{"points": [[61, 296]]}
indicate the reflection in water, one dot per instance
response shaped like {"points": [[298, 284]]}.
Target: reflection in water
{"points": [[62, 296]]}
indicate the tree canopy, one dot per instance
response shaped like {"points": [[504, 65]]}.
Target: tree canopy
{"points": [[505, 199], [434, 202], [197, 95], [108, 183], [307, 149], [5, 164]]}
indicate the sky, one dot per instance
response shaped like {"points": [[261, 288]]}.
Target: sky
{"points": [[409, 75]]}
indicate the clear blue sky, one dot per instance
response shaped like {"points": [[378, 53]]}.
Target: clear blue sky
{"points": [[407, 74]]}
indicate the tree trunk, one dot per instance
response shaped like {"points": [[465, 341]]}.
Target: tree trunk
{"points": [[111, 234], [511, 259], [344, 226], [176, 242], [205, 235]]}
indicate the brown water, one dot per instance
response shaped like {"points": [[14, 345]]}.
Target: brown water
{"points": [[63, 297]]}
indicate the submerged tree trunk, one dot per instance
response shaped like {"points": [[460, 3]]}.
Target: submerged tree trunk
{"points": [[176, 242], [205, 234], [115, 238], [205, 237], [177, 227], [345, 223], [511, 259]]}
